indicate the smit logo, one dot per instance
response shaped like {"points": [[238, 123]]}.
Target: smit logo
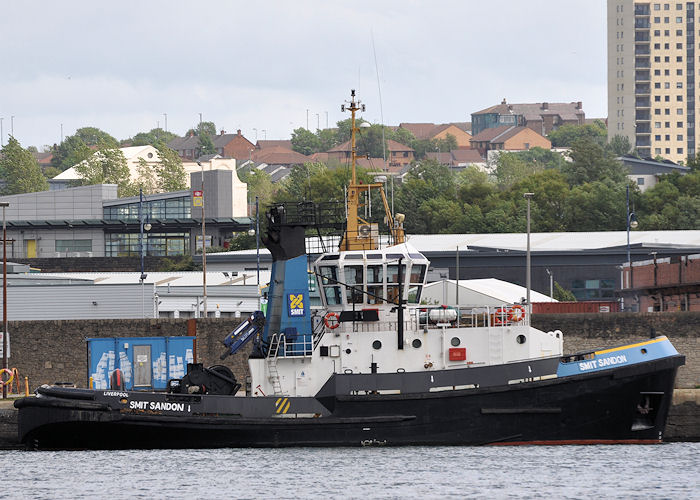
{"points": [[296, 304]]}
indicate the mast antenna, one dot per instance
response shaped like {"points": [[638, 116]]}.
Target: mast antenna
{"points": [[358, 232]]}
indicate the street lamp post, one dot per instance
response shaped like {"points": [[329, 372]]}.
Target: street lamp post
{"points": [[631, 224], [257, 243], [147, 227], [4, 205], [528, 196], [204, 250]]}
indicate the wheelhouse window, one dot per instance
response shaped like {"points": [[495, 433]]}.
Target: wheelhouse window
{"points": [[375, 284], [392, 287], [355, 284], [329, 281]]}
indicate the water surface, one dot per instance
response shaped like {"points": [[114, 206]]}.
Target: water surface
{"points": [[621, 471]]}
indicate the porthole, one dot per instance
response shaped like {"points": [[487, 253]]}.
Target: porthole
{"points": [[644, 351], [520, 339], [416, 343], [150, 155], [377, 344], [455, 341], [348, 351]]}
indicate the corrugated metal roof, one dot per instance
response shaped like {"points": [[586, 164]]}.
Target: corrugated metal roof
{"points": [[553, 241], [175, 279]]}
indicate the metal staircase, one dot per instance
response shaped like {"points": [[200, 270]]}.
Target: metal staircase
{"points": [[273, 375]]}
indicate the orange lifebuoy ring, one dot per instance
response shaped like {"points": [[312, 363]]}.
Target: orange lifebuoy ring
{"points": [[500, 316], [327, 322], [516, 313]]}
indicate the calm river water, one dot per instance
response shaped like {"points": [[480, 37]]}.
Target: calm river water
{"points": [[657, 471]]}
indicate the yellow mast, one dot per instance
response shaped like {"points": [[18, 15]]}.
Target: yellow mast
{"points": [[358, 233]]}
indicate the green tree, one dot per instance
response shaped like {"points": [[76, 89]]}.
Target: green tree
{"points": [[70, 152], [242, 241], [400, 135], [474, 186], [152, 137], [50, 172], [327, 138], [427, 180], [591, 162], [567, 135], [422, 146], [21, 170], [562, 294], [619, 145], [205, 128], [305, 142], [343, 133], [206, 145], [542, 157], [551, 197], [260, 185], [107, 166], [511, 169], [146, 178], [596, 206], [169, 170], [447, 144], [93, 136]]}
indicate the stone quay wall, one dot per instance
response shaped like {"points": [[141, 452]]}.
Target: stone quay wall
{"points": [[56, 351]]}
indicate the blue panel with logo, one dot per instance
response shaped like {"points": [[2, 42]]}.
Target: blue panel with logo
{"points": [[147, 363]]}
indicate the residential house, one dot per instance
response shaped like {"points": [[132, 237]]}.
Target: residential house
{"points": [[432, 131], [265, 143], [459, 159], [398, 155], [508, 138], [227, 146], [44, 160], [645, 172], [542, 117]]}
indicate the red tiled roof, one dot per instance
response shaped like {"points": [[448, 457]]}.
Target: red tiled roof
{"points": [[278, 155], [445, 158], [466, 156], [419, 130], [263, 144], [490, 133], [392, 145]]}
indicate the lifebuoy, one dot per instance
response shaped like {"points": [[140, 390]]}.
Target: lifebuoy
{"points": [[9, 380], [336, 320], [500, 317], [516, 313]]}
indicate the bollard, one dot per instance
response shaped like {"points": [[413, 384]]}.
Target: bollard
{"points": [[26, 386], [91, 382]]}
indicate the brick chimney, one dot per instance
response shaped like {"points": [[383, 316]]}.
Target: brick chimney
{"points": [[545, 106], [579, 105], [222, 132], [238, 131]]}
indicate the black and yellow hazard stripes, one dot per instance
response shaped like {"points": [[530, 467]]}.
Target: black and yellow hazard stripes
{"points": [[282, 405]]}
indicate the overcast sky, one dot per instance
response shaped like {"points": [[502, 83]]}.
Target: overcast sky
{"points": [[122, 65]]}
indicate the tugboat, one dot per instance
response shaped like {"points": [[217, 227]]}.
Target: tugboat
{"points": [[373, 366]]}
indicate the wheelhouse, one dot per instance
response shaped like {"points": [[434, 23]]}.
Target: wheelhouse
{"points": [[371, 278]]}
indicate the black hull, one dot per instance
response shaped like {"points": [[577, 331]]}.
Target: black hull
{"points": [[602, 407]]}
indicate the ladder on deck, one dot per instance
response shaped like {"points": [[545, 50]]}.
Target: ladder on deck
{"points": [[273, 375]]}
